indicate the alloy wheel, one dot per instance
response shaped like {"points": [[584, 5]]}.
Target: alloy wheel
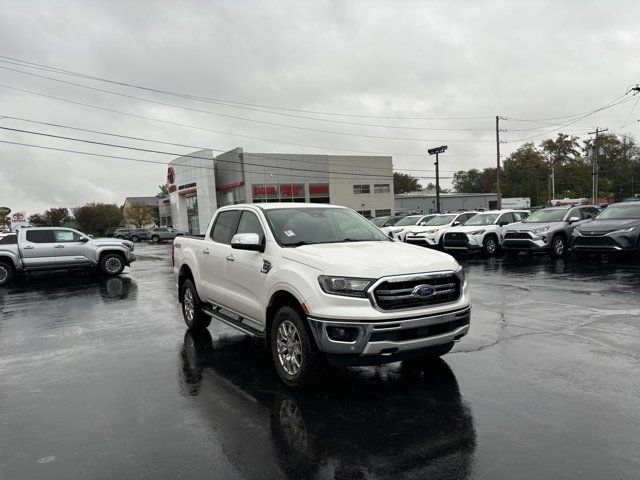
{"points": [[188, 304], [558, 246], [4, 273], [289, 348], [113, 265]]}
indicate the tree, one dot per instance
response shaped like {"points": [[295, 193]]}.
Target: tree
{"points": [[95, 218], [525, 175], [139, 215], [164, 191], [617, 163], [405, 183], [54, 217]]}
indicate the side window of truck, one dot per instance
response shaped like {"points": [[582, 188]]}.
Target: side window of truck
{"points": [[225, 224], [249, 223], [39, 236]]}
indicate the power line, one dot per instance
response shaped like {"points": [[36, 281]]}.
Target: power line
{"points": [[39, 66], [304, 160], [235, 117], [118, 157], [196, 127]]}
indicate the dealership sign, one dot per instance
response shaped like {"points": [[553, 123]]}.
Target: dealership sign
{"points": [[18, 219]]}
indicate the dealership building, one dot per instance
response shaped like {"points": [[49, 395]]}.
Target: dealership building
{"points": [[199, 183]]}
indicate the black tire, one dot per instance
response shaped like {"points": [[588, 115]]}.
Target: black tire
{"points": [[155, 239], [6, 273], [192, 312], [135, 239], [112, 264], [303, 365], [558, 246], [490, 246], [120, 237]]}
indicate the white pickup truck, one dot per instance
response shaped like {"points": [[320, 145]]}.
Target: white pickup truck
{"points": [[58, 248], [320, 282]]}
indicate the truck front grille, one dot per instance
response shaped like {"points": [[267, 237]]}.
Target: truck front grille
{"points": [[455, 239], [518, 235], [399, 293]]}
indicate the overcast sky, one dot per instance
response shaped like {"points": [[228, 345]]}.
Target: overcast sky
{"points": [[518, 59]]}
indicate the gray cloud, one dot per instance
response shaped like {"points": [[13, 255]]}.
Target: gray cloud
{"points": [[513, 58]]}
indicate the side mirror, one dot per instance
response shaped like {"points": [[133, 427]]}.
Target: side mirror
{"points": [[84, 239], [455, 224], [503, 223], [247, 241], [574, 219], [422, 224]]}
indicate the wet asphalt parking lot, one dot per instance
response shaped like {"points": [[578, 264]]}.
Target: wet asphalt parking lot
{"points": [[100, 380]]}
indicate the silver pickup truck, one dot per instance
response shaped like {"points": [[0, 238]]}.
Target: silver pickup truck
{"points": [[58, 248]]}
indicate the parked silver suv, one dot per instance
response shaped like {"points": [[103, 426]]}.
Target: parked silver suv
{"points": [[547, 230], [165, 233]]}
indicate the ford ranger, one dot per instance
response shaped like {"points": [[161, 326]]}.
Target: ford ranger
{"points": [[57, 248], [320, 282]]}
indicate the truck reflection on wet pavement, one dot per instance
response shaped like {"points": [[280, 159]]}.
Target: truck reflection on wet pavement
{"points": [[100, 379]]}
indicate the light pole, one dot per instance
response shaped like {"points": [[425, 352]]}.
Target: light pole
{"points": [[436, 151]]}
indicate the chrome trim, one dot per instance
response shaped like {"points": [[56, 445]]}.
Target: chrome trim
{"points": [[412, 278]]}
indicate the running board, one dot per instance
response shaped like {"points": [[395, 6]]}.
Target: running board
{"points": [[234, 323]]}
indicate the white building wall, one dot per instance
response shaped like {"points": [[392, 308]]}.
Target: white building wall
{"points": [[346, 171]]}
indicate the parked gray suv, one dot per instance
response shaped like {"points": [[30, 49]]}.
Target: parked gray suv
{"points": [[165, 233], [547, 230]]}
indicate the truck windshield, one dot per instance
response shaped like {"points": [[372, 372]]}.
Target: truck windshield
{"points": [[547, 215], [482, 219], [304, 226]]}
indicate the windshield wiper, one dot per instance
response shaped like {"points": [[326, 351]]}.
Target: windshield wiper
{"points": [[358, 240], [299, 244]]}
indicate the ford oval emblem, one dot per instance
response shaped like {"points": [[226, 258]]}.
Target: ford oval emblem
{"points": [[423, 291]]}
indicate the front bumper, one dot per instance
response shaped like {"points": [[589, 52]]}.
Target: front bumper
{"points": [[605, 243], [528, 242], [466, 244], [386, 341], [428, 240], [131, 257]]}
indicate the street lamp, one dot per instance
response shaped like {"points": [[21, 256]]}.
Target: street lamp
{"points": [[436, 151]]}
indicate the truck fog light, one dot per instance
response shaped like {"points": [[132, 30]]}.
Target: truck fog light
{"points": [[342, 334]]}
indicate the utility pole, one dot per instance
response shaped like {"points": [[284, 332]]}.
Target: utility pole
{"points": [[436, 151], [499, 203], [595, 166]]}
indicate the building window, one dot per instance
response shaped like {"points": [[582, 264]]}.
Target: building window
{"points": [[357, 189], [365, 213], [319, 193], [381, 188], [383, 213], [278, 193]]}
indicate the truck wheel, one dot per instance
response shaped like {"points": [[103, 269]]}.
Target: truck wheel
{"points": [[135, 239], [192, 312], [112, 264], [296, 359], [155, 239], [558, 246], [490, 246], [6, 273]]}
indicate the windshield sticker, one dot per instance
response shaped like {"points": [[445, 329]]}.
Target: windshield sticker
{"points": [[289, 233]]}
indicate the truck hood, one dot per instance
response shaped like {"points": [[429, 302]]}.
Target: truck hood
{"points": [[427, 228], [110, 242], [606, 226], [370, 259]]}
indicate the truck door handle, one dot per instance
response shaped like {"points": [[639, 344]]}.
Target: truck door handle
{"points": [[230, 257], [28, 247], [205, 251], [59, 246]]}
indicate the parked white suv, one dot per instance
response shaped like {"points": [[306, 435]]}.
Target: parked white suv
{"points": [[319, 281], [484, 232], [430, 235], [399, 230]]}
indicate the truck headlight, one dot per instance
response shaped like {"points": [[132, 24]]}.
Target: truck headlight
{"points": [[345, 286], [477, 232], [460, 273]]}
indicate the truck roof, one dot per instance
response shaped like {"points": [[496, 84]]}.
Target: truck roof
{"points": [[276, 205]]}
